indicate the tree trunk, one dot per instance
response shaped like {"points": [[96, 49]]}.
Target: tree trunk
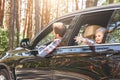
{"points": [[43, 14], [26, 20], [48, 6], [76, 1], [17, 23], [37, 18], [91, 3], [11, 30], [67, 6], [2, 3], [111, 1], [57, 10], [6, 23], [95, 2], [29, 28]]}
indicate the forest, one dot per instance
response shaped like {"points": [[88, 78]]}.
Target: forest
{"points": [[25, 18]]}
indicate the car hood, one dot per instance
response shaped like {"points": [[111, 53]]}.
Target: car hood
{"points": [[15, 55]]}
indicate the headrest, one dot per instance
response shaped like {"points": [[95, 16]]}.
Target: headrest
{"points": [[90, 31]]}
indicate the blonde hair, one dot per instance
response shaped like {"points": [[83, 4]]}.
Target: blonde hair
{"points": [[101, 29]]}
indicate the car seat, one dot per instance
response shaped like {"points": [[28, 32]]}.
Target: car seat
{"points": [[90, 31]]}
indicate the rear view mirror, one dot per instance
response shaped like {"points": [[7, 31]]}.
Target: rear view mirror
{"points": [[25, 43]]}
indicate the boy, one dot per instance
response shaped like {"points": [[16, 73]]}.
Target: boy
{"points": [[59, 30], [99, 35]]}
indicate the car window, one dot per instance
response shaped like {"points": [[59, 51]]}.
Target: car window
{"points": [[90, 22], [88, 32], [47, 39], [50, 37], [114, 28]]}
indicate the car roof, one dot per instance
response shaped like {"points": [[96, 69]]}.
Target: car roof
{"points": [[92, 9]]}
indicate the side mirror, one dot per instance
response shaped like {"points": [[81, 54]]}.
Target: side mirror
{"points": [[25, 43]]}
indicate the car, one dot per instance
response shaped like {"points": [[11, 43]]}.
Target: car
{"points": [[69, 61]]}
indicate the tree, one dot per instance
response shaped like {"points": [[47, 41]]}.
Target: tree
{"points": [[6, 22], [111, 1], [47, 14], [11, 29], [76, 1], [2, 3], [37, 18], [57, 8], [91, 3], [26, 19], [17, 22], [29, 24]]}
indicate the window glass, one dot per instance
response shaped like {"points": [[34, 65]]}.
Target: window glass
{"points": [[46, 40], [114, 29]]}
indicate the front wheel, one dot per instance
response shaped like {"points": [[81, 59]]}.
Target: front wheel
{"points": [[4, 74]]}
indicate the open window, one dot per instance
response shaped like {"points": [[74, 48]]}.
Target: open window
{"points": [[90, 22], [48, 36]]}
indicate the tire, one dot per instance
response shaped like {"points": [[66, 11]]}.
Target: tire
{"points": [[4, 75]]}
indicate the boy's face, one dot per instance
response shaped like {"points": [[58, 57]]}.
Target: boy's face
{"points": [[99, 37]]}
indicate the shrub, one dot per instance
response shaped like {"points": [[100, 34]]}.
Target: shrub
{"points": [[4, 40]]}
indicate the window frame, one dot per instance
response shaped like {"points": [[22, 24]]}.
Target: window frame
{"points": [[81, 22], [112, 27], [48, 29]]}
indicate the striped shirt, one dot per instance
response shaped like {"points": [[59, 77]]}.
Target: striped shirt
{"points": [[45, 50]]}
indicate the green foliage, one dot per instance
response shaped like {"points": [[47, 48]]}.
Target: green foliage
{"points": [[4, 40], [117, 1], [108, 2]]}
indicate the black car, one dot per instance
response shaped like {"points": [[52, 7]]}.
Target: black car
{"points": [[70, 61]]}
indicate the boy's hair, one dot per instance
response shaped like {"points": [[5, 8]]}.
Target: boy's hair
{"points": [[101, 29], [59, 28]]}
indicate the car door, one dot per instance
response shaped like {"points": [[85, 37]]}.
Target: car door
{"points": [[32, 68], [78, 61]]}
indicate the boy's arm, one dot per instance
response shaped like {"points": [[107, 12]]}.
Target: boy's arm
{"points": [[49, 48]]}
